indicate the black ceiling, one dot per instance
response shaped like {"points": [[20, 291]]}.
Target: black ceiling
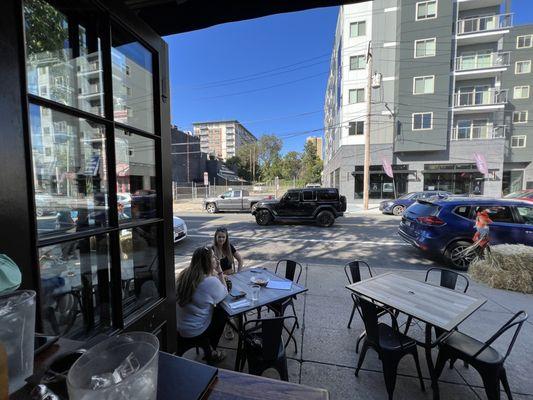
{"points": [[176, 16]]}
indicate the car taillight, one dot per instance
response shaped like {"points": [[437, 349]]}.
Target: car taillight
{"points": [[431, 220]]}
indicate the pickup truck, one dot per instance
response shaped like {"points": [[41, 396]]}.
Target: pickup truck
{"points": [[232, 200]]}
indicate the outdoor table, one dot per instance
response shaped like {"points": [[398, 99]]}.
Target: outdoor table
{"points": [[241, 281], [434, 305]]}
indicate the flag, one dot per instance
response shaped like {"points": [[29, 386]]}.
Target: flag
{"points": [[481, 163], [387, 167]]}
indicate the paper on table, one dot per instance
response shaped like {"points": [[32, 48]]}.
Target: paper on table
{"points": [[283, 285], [239, 303]]}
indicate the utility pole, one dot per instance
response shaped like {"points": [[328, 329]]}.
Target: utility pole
{"points": [[366, 167]]}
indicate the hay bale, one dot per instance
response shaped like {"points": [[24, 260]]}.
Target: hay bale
{"points": [[507, 267]]}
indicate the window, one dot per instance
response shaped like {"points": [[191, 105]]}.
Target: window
{"points": [[356, 96], [424, 84], [422, 121], [46, 130], [518, 141], [521, 92], [328, 194], [425, 47], [426, 10], [520, 117], [292, 196], [522, 67], [309, 195], [463, 211], [59, 81], [236, 193], [357, 62], [356, 128], [524, 41], [357, 29], [43, 90], [526, 213], [498, 213]]}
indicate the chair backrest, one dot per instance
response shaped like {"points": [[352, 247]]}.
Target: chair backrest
{"points": [[370, 313], [270, 330], [293, 269], [353, 270], [516, 321], [449, 278]]}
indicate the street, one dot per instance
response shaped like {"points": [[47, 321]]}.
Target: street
{"points": [[370, 237]]}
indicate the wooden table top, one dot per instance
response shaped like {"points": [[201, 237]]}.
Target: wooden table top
{"points": [[435, 305], [241, 281]]}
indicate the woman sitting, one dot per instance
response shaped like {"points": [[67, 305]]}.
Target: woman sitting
{"points": [[225, 252], [200, 287]]}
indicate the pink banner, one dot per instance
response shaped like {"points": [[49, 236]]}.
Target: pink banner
{"points": [[481, 163], [387, 167]]}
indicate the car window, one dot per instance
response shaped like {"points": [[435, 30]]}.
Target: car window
{"points": [[463, 211], [292, 196], [237, 193], [309, 195], [227, 194], [329, 194], [526, 213], [245, 193], [498, 213]]}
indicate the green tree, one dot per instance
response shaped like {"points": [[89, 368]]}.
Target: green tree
{"points": [[312, 165], [45, 27], [291, 165], [242, 168], [269, 147], [247, 154]]}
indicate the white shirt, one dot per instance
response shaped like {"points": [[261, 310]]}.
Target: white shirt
{"points": [[194, 318]]}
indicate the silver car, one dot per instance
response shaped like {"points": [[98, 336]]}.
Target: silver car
{"points": [[232, 200]]}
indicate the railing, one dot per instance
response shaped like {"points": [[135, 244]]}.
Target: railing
{"points": [[474, 132], [480, 98], [484, 24], [481, 61]]}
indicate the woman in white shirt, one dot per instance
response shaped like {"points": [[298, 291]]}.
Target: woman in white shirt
{"points": [[200, 287]]}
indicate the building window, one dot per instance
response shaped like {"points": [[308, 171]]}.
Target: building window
{"points": [[357, 62], [425, 47], [422, 121], [356, 96], [426, 10], [356, 128], [521, 92], [524, 41], [358, 29], [518, 141], [424, 84], [520, 117], [522, 67]]}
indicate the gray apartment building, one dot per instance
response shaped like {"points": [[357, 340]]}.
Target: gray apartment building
{"points": [[454, 81], [222, 138]]}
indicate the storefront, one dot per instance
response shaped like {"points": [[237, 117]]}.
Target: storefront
{"points": [[455, 178], [382, 186]]}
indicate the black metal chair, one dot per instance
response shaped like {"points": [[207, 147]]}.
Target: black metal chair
{"points": [[482, 356], [390, 344], [263, 346], [353, 273], [293, 272], [196, 342]]}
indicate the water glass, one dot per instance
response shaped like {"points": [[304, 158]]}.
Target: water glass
{"points": [[255, 292]]}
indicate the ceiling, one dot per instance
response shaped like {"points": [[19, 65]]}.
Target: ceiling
{"points": [[168, 17]]}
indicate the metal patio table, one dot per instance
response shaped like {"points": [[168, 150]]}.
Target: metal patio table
{"points": [[434, 305], [241, 281]]}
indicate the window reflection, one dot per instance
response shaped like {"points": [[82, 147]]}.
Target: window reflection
{"points": [[139, 267], [63, 57], [75, 286], [136, 176], [68, 156], [133, 87]]}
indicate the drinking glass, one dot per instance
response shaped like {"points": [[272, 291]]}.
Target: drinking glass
{"points": [[255, 292]]}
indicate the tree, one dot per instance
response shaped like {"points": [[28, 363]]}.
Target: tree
{"points": [[269, 147], [241, 167], [247, 154], [45, 27], [311, 165], [291, 165]]}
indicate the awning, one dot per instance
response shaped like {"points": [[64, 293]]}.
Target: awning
{"points": [[452, 171], [402, 171]]}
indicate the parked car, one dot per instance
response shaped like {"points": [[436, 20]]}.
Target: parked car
{"points": [[526, 194], [180, 229], [322, 206], [398, 206], [446, 226], [232, 200]]}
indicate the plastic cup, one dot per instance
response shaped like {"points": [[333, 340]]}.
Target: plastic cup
{"points": [[121, 367], [17, 329], [255, 292]]}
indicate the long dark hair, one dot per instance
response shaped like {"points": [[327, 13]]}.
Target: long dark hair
{"points": [[226, 247], [193, 275]]}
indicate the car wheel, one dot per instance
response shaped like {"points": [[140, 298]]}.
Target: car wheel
{"points": [[398, 210], [253, 208], [211, 208], [263, 217], [458, 255], [325, 218], [39, 212]]}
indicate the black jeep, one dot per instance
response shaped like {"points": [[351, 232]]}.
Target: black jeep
{"points": [[321, 205]]}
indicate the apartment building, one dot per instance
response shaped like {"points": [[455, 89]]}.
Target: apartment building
{"points": [[318, 144], [222, 138], [453, 82]]}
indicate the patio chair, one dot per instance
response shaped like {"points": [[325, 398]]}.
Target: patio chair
{"points": [[482, 356], [293, 271], [196, 342], [263, 346], [387, 340]]}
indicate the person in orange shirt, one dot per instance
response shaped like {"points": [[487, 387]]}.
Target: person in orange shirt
{"points": [[481, 237]]}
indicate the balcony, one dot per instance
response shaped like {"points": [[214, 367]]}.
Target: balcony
{"points": [[481, 65], [480, 100], [478, 132], [483, 29]]}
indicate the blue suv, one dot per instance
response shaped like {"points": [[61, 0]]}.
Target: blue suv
{"points": [[446, 226]]}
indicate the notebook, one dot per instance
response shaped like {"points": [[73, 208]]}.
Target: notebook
{"points": [[283, 285]]}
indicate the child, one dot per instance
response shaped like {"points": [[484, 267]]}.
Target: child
{"points": [[481, 237]]}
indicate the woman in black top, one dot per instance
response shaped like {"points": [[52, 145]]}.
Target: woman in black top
{"points": [[225, 252]]}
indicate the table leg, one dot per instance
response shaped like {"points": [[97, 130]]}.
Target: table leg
{"points": [[239, 343], [431, 366]]}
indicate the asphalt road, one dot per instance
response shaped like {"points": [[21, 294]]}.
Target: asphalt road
{"points": [[371, 237]]}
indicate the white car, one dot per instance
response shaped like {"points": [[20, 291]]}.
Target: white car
{"points": [[180, 229]]}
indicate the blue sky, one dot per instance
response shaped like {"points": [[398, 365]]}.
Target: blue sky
{"points": [[269, 73]]}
